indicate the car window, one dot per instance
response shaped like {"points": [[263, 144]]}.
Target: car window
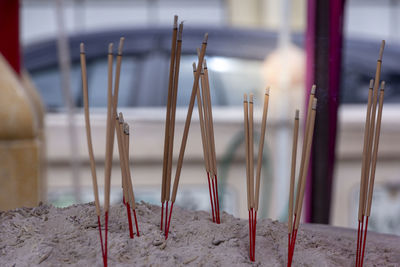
{"points": [[229, 78], [98, 80], [48, 83]]}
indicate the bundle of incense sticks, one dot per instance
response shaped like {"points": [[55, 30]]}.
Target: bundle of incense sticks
{"points": [[185, 135], [253, 194], [304, 164], [369, 159], [112, 103], [122, 129], [207, 137], [176, 47]]}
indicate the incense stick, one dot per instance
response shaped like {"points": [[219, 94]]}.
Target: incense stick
{"points": [[309, 108], [251, 150], [367, 167], [361, 203], [107, 172], [89, 140], [168, 115], [211, 138], [187, 125], [88, 129], [246, 136], [253, 193], [302, 176], [128, 177], [261, 148], [172, 119], [373, 167], [293, 173], [108, 158], [122, 158], [209, 129], [204, 136]]}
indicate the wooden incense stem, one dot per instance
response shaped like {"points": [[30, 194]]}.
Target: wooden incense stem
{"points": [[116, 91], [293, 170], [303, 151], [88, 129], [204, 136], [108, 159], [373, 169], [200, 94], [129, 185], [120, 140], [130, 201], [306, 162], [173, 112], [206, 117], [210, 118], [361, 204], [169, 107], [375, 151], [90, 145], [261, 148], [189, 117], [210, 129], [127, 166], [251, 150], [373, 118], [369, 151], [363, 181], [246, 138], [186, 129]]}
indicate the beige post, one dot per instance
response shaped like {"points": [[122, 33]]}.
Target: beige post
{"points": [[19, 143]]}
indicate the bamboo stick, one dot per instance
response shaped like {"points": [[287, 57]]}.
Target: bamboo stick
{"points": [[375, 151], [88, 130], [306, 161], [168, 112], [173, 112], [108, 159], [188, 118], [303, 150], [293, 170], [261, 147], [251, 150]]}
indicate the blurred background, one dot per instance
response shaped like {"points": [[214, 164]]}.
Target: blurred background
{"points": [[288, 45]]}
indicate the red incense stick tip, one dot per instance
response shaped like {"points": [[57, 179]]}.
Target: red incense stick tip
{"points": [[105, 242], [169, 221], [162, 215], [136, 222], [211, 199], [128, 211], [101, 238]]}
